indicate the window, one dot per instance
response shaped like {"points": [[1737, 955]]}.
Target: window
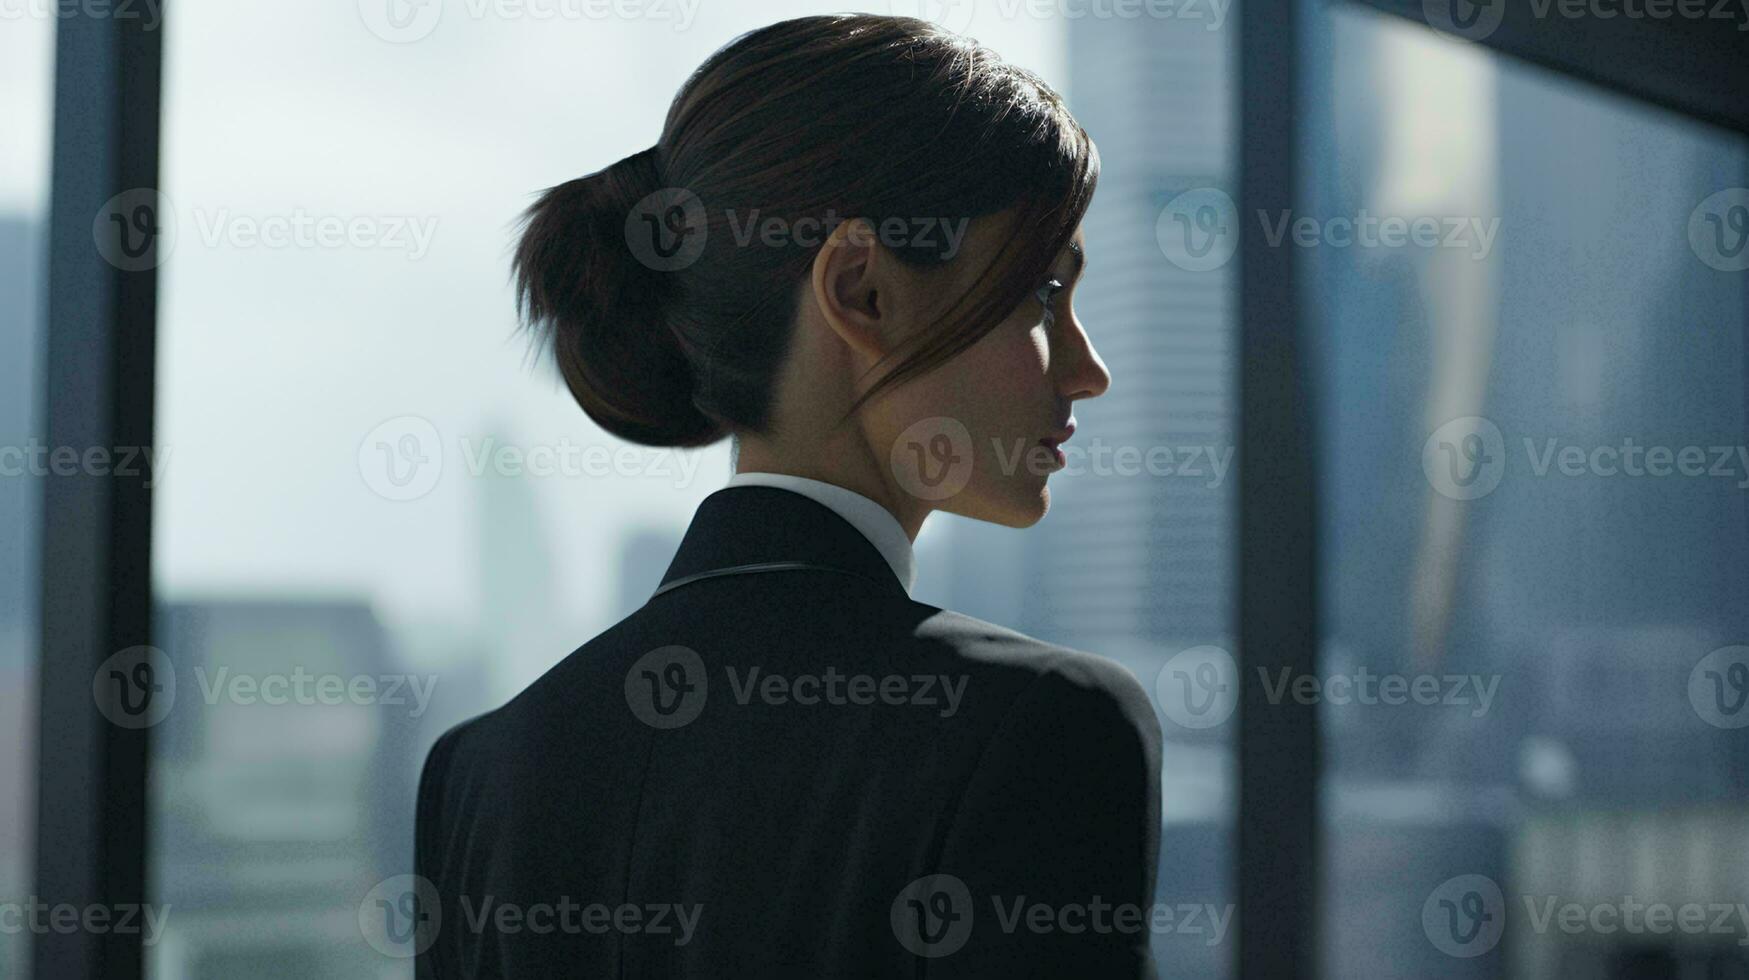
{"points": [[26, 87], [1532, 573]]}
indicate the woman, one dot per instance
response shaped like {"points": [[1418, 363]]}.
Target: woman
{"points": [[852, 249]]}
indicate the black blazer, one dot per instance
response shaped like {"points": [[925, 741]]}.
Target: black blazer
{"points": [[795, 771]]}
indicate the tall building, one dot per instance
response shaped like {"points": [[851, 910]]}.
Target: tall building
{"points": [[21, 311], [1129, 565], [20, 318], [273, 820], [1138, 566]]}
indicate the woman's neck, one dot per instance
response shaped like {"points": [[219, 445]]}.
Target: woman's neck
{"points": [[842, 461]]}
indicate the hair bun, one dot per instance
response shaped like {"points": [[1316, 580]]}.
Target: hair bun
{"points": [[590, 283]]}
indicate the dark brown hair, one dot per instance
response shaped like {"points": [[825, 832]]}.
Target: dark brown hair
{"points": [[808, 120]]}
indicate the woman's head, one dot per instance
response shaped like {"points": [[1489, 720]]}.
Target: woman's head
{"points": [[840, 250]]}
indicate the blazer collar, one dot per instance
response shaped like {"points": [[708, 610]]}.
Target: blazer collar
{"points": [[750, 525]]}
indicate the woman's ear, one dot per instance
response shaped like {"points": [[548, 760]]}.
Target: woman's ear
{"points": [[852, 287]]}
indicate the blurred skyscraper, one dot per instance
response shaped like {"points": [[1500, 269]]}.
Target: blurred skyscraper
{"points": [[1127, 565], [1137, 565], [20, 318], [276, 819]]}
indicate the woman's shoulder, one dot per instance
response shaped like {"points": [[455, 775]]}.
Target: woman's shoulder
{"points": [[1040, 673]]}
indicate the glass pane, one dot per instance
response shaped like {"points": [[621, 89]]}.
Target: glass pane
{"points": [[1533, 663], [1134, 559], [27, 47], [369, 486]]}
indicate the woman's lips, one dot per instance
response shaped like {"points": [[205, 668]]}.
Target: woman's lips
{"points": [[1054, 443]]}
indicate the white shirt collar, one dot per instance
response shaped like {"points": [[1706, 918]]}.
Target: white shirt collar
{"points": [[876, 523]]}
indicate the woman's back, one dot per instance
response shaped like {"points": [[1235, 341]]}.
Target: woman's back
{"points": [[795, 772], [852, 249]]}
